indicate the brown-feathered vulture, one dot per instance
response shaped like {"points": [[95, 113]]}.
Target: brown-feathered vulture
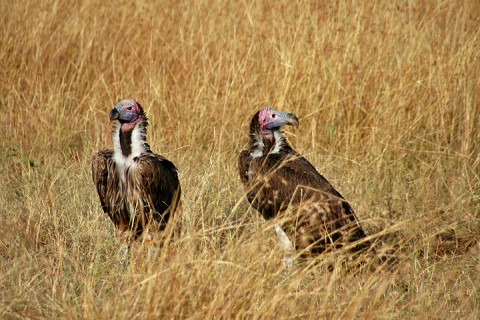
{"points": [[310, 214], [138, 189]]}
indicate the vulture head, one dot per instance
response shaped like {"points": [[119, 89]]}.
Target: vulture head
{"points": [[268, 120], [128, 112]]}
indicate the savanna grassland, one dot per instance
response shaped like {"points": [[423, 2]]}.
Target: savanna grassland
{"points": [[387, 93]]}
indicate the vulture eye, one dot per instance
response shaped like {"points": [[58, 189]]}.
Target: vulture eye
{"points": [[129, 108], [274, 115]]}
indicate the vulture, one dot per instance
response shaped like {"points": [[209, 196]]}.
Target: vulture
{"points": [[311, 216], [138, 189]]}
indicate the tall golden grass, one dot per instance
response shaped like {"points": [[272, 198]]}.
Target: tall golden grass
{"points": [[387, 94]]}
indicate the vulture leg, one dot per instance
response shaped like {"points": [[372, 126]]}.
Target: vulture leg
{"points": [[287, 246], [125, 243], [148, 241], [125, 254], [152, 253]]}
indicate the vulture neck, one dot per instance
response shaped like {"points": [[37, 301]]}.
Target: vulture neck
{"points": [[261, 145], [129, 144]]}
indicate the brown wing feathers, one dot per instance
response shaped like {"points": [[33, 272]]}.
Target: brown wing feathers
{"points": [[153, 185], [156, 180], [285, 185], [104, 177], [135, 185], [136, 188]]}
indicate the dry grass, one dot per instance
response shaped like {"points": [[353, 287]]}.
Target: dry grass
{"points": [[387, 96]]}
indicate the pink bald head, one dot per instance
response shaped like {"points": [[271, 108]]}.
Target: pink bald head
{"points": [[270, 120], [128, 112]]}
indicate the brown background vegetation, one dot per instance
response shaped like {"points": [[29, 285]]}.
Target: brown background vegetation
{"points": [[387, 96]]}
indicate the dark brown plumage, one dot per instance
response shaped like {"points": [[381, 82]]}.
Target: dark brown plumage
{"points": [[282, 184], [138, 189]]}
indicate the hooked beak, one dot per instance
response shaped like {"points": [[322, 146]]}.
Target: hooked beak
{"points": [[114, 114], [282, 119], [291, 119]]}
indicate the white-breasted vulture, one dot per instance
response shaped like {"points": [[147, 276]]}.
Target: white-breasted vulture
{"points": [[310, 214], [138, 189]]}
